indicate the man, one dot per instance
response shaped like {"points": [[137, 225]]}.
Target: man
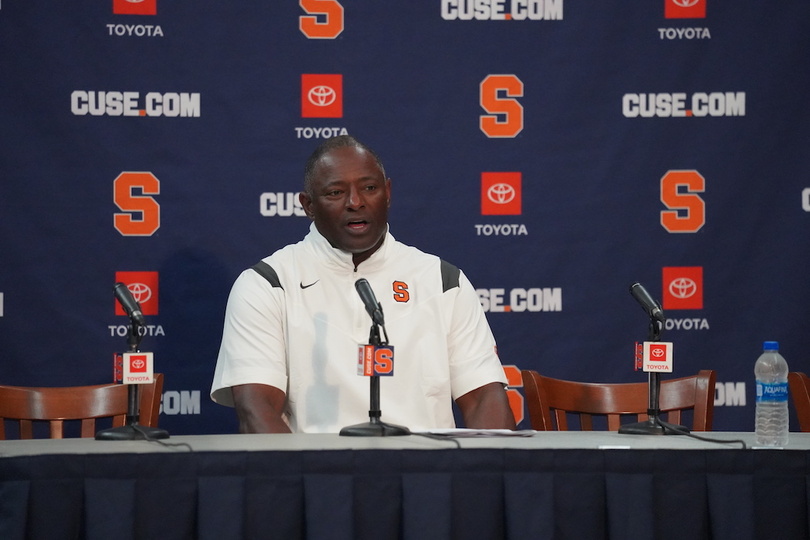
{"points": [[289, 347]]}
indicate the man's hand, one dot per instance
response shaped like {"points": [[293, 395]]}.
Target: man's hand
{"points": [[486, 407], [259, 408]]}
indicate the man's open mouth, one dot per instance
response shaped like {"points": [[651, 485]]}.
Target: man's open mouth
{"points": [[358, 224]]}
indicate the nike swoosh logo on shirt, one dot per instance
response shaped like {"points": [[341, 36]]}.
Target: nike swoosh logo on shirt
{"points": [[310, 285]]}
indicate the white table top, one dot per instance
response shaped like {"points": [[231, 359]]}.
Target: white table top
{"points": [[595, 440]]}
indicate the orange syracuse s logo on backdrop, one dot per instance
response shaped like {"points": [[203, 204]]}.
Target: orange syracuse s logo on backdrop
{"points": [[497, 97], [686, 209], [140, 213], [324, 19]]}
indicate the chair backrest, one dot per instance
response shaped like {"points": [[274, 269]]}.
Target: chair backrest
{"points": [[556, 399], [800, 395], [56, 405]]}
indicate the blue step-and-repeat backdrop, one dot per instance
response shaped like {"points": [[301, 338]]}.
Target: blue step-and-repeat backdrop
{"points": [[556, 150]]}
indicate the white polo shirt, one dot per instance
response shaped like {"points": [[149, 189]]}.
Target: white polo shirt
{"points": [[301, 336]]}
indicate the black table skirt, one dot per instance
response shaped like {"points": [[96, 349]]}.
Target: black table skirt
{"points": [[409, 494]]}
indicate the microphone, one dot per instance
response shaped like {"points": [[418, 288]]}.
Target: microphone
{"points": [[133, 309], [651, 307], [373, 307]]}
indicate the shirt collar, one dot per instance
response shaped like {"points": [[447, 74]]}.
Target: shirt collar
{"points": [[343, 259]]}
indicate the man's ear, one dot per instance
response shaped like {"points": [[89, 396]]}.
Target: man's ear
{"points": [[306, 204], [388, 192]]}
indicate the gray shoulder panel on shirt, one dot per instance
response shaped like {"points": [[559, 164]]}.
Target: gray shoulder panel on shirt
{"points": [[267, 272], [450, 275]]}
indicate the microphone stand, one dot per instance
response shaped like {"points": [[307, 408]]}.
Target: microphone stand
{"points": [[375, 427], [653, 425], [132, 431]]}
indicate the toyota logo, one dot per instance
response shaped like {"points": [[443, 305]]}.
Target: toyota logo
{"points": [[685, 3], [657, 353], [138, 363], [140, 292], [501, 193], [682, 288], [321, 96]]}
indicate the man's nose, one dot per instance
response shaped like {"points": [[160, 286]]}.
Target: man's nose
{"points": [[354, 200]]}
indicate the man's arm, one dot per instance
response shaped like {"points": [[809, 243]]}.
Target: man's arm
{"points": [[486, 407], [260, 408]]}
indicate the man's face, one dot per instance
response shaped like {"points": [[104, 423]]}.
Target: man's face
{"points": [[349, 202]]}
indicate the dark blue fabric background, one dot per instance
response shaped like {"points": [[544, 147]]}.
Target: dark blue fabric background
{"points": [[590, 176]]}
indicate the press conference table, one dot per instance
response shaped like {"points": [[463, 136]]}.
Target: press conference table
{"points": [[547, 485]]}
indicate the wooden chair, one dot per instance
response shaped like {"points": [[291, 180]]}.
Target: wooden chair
{"points": [[800, 395], [549, 398], [26, 405]]}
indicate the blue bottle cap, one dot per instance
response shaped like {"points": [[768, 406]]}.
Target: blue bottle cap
{"points": [[770, 346]]}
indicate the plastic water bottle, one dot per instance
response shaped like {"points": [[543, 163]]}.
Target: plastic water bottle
{"points": [[771, 372]]}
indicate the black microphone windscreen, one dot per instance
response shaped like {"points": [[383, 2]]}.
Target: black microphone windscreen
{"points": [[128, 302], [369, 300], [647, 302]]}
